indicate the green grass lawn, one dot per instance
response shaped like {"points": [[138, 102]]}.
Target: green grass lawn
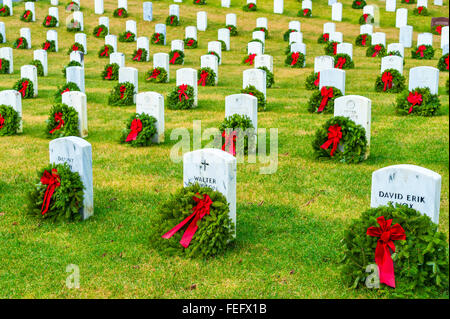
{"points": [[289, 224]]}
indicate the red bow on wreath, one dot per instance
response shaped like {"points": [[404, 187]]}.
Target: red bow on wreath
{"points": [[122, 90], [136, 127], [48, 19], [58, 119], [335, 47], [446, 62], [1, 61], [414, 99], [26, 14], [182, 91], [251, 5], [157, 37], [99, 31], [230, 141], [138, 55], [326, 95], [334, 136], [358, 3], [387, 80], [23, 90], [65, 90], [155, 74], [340, 62], [174, 58], [75, 48], [105, 51], [203, 77], [326, 37], [120, 12], [52, 180], [377, 48], [190, 42], [171, 19], [420, 50], [305, 11], [2, 121], [365, 16], [109, 72], [46, 45], [420, 9], [2, 9], [19, 43], [202, 208], [128, 35], [385, 245], [317, 80], [363, 39], [250, 59], [439, 29], [295, 56]]}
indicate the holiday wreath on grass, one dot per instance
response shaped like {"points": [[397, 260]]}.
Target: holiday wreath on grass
{"points": [[390, 81], [343, 61], [287, 34], [100, 31], [409, 1], [419, 101], [62, 121], [421, 11], [437, 29], [140, 55], [49, 46], [50, 21], [120, 13], [233, 30], [73, 26], [127, 36], [122, 94], [250, 89], [250, 7], [363, 40], [182, 98], [206, 77], [358, 4], [322, 101], [39, 67], [5, 11], [139, 130], [176, 57], [236, 130], [58, 194], [71, 63], [190, 43], [423, 52], [105, 51], [199, 2], [75, 47], [340, 139], [9, 120], [270, 79], [68, 87], [194, 222], [72, 6], [312, 81], [111, 72], [4, 66], [377, 50], [405, 247], [27, 16], [295, 60], [249, 59], [324, 38], [25, 87], [157, 39], [20, 43], [366, 19], [331, 47], [172, 20], [156, 75], [305, 13], [443, 63]]}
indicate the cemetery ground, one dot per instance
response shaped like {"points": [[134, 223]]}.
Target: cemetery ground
{"points": [[289, 224]]}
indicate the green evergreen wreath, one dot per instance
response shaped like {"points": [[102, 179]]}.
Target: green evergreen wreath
{"points": [[4, 66], [158, 39], [409, 1], [247, 60], [442, 64], [199, 2], [353, 140], [71, 63], [421, 261], [173, 99], [70, 86], [259, 41], [429, 106], [371, 50], [421, 11], [65, 202], [49, 46], [223, 45], [300, 61], [210, 79], [349, 64], [20, 45], [5, 11], [27, 16], [242, 123], [250, 7], [142, 58], [266, 32], [145, 135], [118, 98], [73, 26], [190, 43], [69, 124], [1, 38], [287, 34], [428, 52], [250, 89], [75, 47], [310, 81], [270, 79], [127, 36], [180, 58], [233, 30], [50, 21], [120, 13], [398, 82], [316, 99], [105, 51], [330, 48], [324, 38], [172, 21], [358, 4], [366, 19], [359, 40], [156, 75], [395, 53], [110, 72], [29, 92], [305, 13], [100, 31], [9, 120], [72, 6], [39, 67], [437, 29], [215, 230], [215, 53]]}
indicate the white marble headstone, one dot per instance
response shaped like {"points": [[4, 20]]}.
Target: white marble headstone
{"points": [[177, 45], [333, 77], [26, 33], [98, 9], [242, 104], [216, 46], [336, 12], [118, 58], [128, 74], [366, 29], [231, 19], [41, 55], [424, 77], [278, 6], [81, 38], [2, 31], [161, 60], [111, 40], [264, 60], [202, 20], [75, 74], [323, 62], [444, 36], [152, 103], [52, 35], [254, 47], [425, 39], [329, 27], [396, 47], [30, 6], [295, 25], [401, 17], [224, 35], [30, 72], [78, 101], [391, 5], [142, 43], [13, 98], [391, 62], [7, 53], [210, 61], [188, 76], [255, 77], [130, 26], [405, 36], [148, 11], [345, 48]]}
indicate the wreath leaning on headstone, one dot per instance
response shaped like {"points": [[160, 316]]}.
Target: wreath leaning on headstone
{"points": [[50, 21], [156, 75], [409, 1], [250, 89], [331, 48], [9, 120], [421, 11], [305, 13], [70, 86], [139, 130], [358, 4], [390, 81], [4, 66], [312, 81], [5, 11], [423, 52], [25, 87], [250, 7], [419, 101], [122, 94], [39, 67], [363, 40], [236, 131], [287, 34], [176, 57], [437, 29], [105, 51], [324, 38], [71, 63], [233, 30], [182, 98], [111, 72], [20, 43], [342, 140], [175, 231], [73, 26], [377, 50], [27, 16], [49, 46], [216, 54], [127, 36], [190, 43], [75, 47], [266, 32], [199, 2], [120, 13], [249, 59], [443, 63], [295, 60], [322, 101], [100, 31], [140, 55], [72, 6], [343, 61], [420, 258], [172, 21], [396, 53], [62, 121], [58, 194], [157, 38], [366, 19], [270, 79], [206, 77]]}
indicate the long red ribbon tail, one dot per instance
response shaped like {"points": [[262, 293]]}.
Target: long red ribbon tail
{"points": [[174, 58]]}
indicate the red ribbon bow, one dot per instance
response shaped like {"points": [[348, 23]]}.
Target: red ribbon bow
{"points": [[250, 59], [387, 80], [439, 29], [75, 48], [19, 43], [230, 141], [358, 3], [58, 119], [109, 72], [1, 61], [363, 39], [203, 77], [2, 121], [190, 42], [326, 37], [155, 74], [446, 62], [46, 46], [23, 90], [138, 55], [340, 62], [377, 48], [174, 58], [365, 15], [420, 9], [120, 12], [48, 19], [199, 211], [171, 19], [326, 94], [65, 90], [128, 35], [251, 5], [305, 11], [26, 14], [385, 244], [157, 37], [414, 99], [317, 80], [122, 90], [334, 136], [295, 56], [2, 9], [105, 51], [99, 31], [136, 127], [421, 49], [52, 180], [335, 47], [182, 91]]}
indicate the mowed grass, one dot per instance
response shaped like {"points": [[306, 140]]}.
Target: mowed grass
{"points": [[289, 224]]}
